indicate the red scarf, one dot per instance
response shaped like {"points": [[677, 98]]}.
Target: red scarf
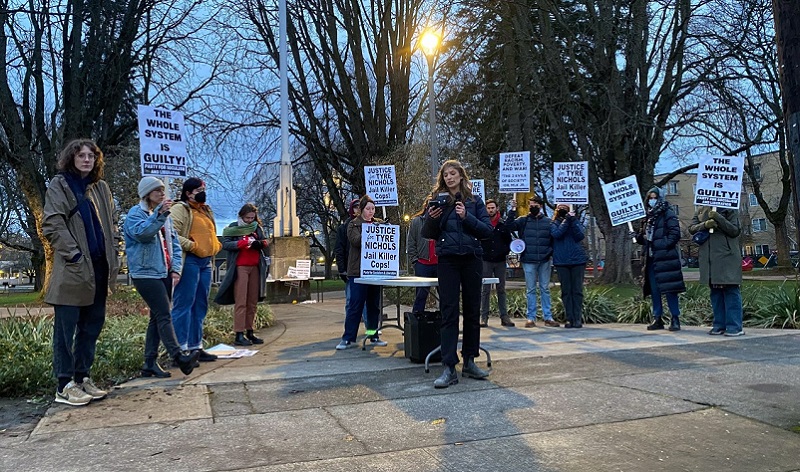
{"points": [[495, 219]]}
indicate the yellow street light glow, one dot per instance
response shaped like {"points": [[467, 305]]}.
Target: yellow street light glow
{"points": [[429, 42]]}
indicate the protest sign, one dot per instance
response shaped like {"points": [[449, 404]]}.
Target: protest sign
{"points": [[381, 184], [624, 201], [303, 268], [515, 172], [719, 181], [571, 183], [162, 142], [478, 189], [380, 251]]}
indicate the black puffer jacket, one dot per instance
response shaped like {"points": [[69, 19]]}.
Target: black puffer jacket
{"points": [[535, 231], [661, 248], [455, 236]]}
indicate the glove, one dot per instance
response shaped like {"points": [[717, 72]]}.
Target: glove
{"points": [[710, 224], [713, 214], [343, 276], [257, 245]]}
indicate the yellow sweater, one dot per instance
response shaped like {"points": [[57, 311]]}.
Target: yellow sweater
{"points": [[203, 232]]}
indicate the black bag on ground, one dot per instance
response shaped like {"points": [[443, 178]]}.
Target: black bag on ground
{"points": [[422, 335]]}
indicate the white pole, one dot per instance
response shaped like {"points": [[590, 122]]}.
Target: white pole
{"points": [[711, 230]]}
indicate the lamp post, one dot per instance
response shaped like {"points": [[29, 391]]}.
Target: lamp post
{"points": [[429, 42]]}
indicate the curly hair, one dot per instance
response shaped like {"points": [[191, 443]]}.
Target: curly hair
{"points": [[66, 160]]}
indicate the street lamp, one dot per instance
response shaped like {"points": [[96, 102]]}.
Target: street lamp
{"points": [[429, 43]]}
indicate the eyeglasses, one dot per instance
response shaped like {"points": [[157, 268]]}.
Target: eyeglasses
{"points": [[86, 157]]}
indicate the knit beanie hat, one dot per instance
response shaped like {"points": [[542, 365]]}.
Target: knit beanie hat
{"points": [[148, 184], [189, 186], [352, 210]]}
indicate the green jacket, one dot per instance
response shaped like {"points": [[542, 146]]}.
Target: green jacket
{"points": [[73, 283], [720, 256]]}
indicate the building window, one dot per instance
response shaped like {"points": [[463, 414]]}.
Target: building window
{"points": [[757, 171], [672, 188], [753, 200], [676, 209], [759, 225]]}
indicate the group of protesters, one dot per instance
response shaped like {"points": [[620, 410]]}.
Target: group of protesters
{"points": [[169, 247], [456, 237]]}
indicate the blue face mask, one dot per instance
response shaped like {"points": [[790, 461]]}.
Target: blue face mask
{"points": [[652, 202]]}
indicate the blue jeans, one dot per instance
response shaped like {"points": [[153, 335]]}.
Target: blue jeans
{"points": [[422, 270], [190, 301], [538, 272], [347, 300], [655, 294], [727, 305], [362, 297]]}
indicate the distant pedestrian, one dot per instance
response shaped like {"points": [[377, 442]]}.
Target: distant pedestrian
{"points": [[154, 264], [495, 254], [422, 254], [660, 236], [197, 233], [570, 259], [80, 226], [536, 259], [245, 281], [721, 266]]}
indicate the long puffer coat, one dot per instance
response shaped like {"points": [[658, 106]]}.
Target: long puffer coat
{"points": [[661, 248]]}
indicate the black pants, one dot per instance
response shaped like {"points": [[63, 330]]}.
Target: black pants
{"points": [[76, 329], [571, 278], [460, 275], [157, 293]]}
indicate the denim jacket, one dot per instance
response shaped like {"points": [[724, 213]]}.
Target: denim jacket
{"points": [[143, 246]]}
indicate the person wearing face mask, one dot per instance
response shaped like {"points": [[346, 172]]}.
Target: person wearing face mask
{"points": [[659, 236], [197, 234], [534, 229], [570, 259]]}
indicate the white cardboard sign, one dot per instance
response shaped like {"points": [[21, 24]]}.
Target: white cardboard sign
{"points": [[162, 142], [719, 181], [478, 189], [624, 200], [381, 184], [515, 172], [380, 251], [303, 268], [571, 183]]}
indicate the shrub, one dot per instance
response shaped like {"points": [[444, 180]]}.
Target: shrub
{"points": [[636, 309], [598, 307], [26, 347], [778, 309]]}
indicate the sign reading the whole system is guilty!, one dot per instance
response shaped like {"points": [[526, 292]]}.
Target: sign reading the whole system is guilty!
{"points": [[380, 251], [624, 200], [719, 181], [162, 142], [381, 185]]}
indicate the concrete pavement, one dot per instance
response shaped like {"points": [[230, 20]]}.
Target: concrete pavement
{"points": [[604, 398]]}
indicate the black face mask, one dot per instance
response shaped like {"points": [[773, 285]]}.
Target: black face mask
{"points": [[562, 213], [200, 197], [534, 210]]}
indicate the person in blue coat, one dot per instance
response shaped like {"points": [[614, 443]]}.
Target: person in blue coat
{"points": [[659, 237], [458, 220], [154, 263], [569, 258]]}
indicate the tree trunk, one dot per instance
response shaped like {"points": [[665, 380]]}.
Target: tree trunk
{"points": [[782, 245], [617, 269]]}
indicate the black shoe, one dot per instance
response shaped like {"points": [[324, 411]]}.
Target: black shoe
{"points": [[484, 325], [203, 356], [675, 325], [657, 324], [152, 369], [470, 369], [449, 377], [186, 361], [241, 340], [253, 338], [507, 322]]}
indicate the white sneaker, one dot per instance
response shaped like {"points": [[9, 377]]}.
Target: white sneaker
{"points": [[91, 389], [73, 395], [378, 342], [345, 345]]}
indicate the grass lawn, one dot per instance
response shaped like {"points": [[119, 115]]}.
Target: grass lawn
{"points": [[20, 298]]}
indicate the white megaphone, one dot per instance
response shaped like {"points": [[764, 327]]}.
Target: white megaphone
{"points": [[517, 246]]}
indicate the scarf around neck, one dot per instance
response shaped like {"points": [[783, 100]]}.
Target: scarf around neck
{"points": [[240, 229]]}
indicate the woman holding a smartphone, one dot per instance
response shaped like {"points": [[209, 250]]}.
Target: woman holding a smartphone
{"points": [[458, 220]]}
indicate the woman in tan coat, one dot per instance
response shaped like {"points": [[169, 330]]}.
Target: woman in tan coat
{"points": [[79, 224]]}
